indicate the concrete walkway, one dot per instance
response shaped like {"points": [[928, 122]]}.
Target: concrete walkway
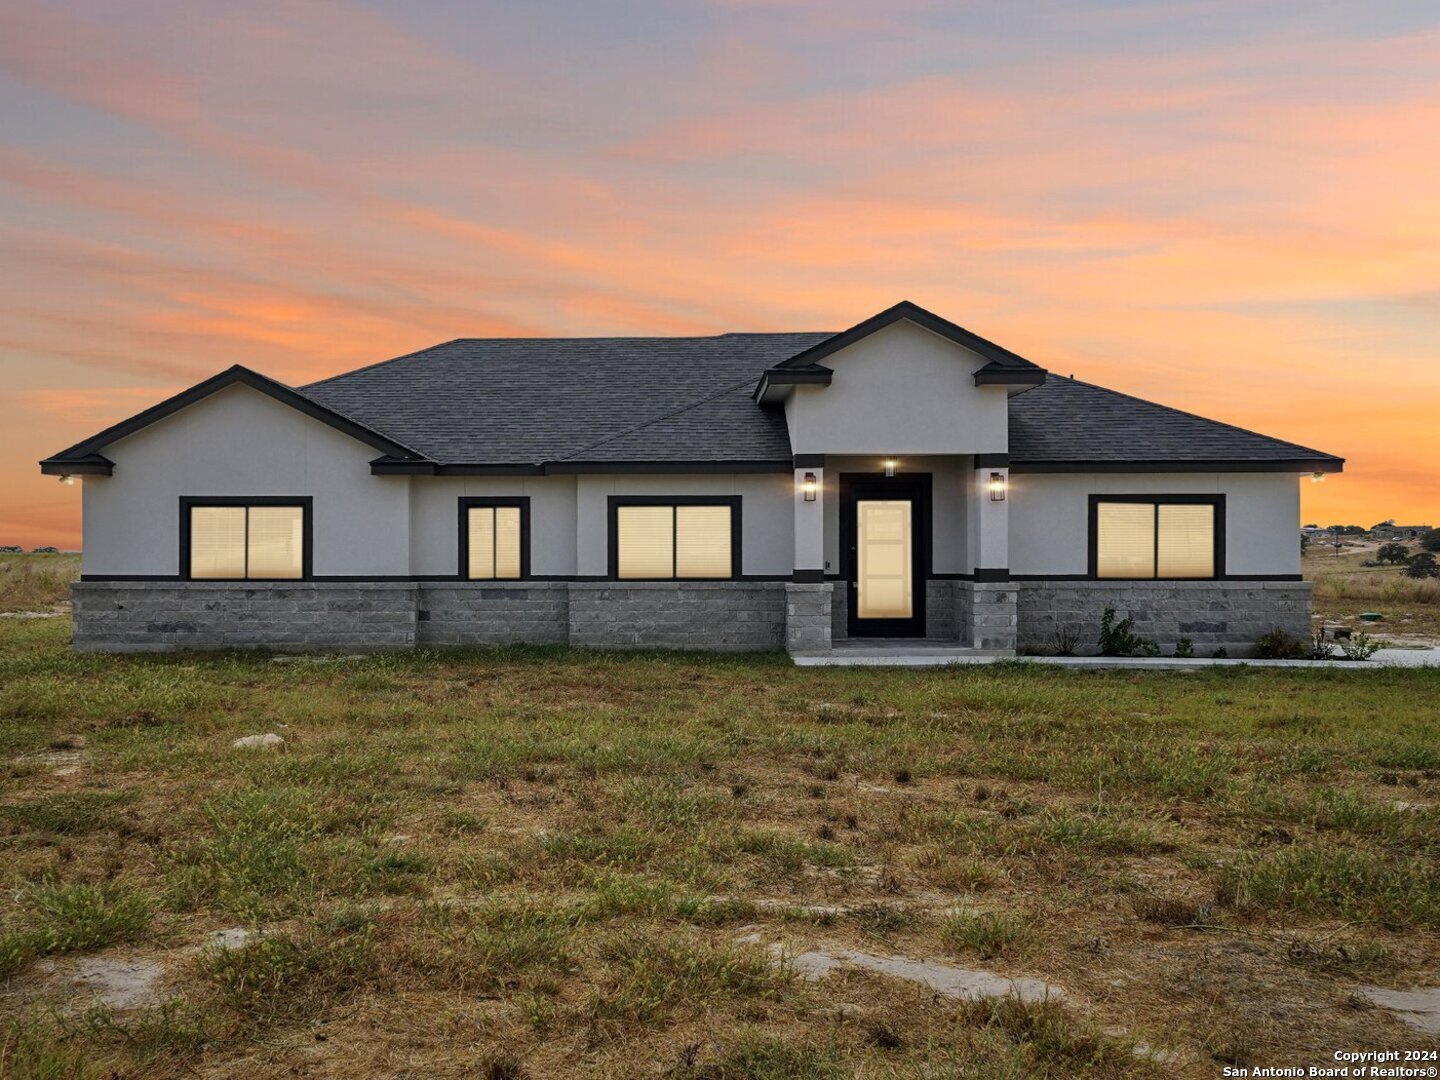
{"points": [[931, 655]]}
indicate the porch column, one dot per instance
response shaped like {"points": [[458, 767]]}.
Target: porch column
{"points": [[990, 517], [809, 565]]}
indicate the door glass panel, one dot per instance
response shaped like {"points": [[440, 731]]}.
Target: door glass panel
{"points": [[1187, 541], [480, 558], [1125, 540], [884, 583], [217, 542]]}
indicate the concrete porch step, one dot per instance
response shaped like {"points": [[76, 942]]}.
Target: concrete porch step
{"points": [[896, 652]]}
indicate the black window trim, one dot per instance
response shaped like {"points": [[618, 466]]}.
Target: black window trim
{"points": [[519, 502], [615, 502], [1217, 501], [307, 530]]}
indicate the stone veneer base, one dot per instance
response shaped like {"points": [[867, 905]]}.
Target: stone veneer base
{"points": [[156, 616]]}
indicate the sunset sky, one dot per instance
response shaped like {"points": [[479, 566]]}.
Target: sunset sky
{"points": [[1230, 206]]}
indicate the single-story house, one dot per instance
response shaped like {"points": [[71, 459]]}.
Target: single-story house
{"points": [[905, 478], [1388, 530]]}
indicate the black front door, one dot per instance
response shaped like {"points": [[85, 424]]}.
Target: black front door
{"points": [[884, 534]]}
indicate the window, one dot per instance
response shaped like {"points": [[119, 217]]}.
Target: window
{"points": [[495, 539], [677, 537], [1160, 536], [245, 539]]}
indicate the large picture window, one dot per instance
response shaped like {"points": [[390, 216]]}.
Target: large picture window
{"points": [[1157, 536], [495, 539], [245, 539], [695, 537]]}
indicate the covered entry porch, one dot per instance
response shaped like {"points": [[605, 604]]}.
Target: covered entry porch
{"points": [[892, 550]]}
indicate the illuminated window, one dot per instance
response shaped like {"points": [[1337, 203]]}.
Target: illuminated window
{"points": [[494, 536], [242, 541], [663, 539], [1156, 538]]}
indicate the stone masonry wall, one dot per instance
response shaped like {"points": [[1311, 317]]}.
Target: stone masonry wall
{"points": [[729, 616], [148, 616], [1212, 614], [807, 616], [993, 616], [494, 613]]}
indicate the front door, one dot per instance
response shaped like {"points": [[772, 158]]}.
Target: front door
{"points": [[885, 522]]}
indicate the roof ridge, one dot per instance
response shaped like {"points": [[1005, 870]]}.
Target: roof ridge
{"points": [[1192, 415], [655, 420]]}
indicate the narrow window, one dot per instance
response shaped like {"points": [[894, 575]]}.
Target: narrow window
{"points": [[240, 541], [1156, 538], [660, 539], [494, 535]]}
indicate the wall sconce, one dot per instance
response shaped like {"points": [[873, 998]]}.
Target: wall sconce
{"points": [[808, 486], [997, 487], [68, 480], [1317, 478], [889, 466]]}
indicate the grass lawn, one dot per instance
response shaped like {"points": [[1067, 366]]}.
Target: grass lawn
{"points": [[544, 864]]}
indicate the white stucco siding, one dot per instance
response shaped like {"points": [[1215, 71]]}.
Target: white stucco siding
{"points": [[902, 390], [1049, 517], [767, 514], [435, 520], [241, 442]]}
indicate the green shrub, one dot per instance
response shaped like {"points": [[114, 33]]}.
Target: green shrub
{"points": [[1119, 638], [1279, 644]]}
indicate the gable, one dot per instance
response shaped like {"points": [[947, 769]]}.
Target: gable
{"points": [[88, 457], [899, 390]]}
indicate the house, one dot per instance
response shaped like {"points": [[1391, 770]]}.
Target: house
{"points": [[1388, 530], [903, 479]]}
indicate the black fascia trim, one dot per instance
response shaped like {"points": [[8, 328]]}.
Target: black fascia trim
{"points": [[253, 379], [996, 354], [992, 461], [307, 531], [393, 466], [807, 577], [87, 465], [809, 461], [519, 502], [1217, 501], [991, 573], [1295, 465], [568, 467], [614, 502], [1001, 375]]}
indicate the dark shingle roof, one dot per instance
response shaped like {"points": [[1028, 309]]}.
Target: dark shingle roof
{"points": [[1065, 420], [526, 401]]}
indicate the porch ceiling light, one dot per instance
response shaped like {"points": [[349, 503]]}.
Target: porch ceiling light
{"points": [[997, 487], [808, 486], [889, 466]]}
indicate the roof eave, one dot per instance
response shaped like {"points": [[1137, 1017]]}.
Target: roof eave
{"points": [[85, 465], [1153, 465], [777, 382], [1001, 375]]}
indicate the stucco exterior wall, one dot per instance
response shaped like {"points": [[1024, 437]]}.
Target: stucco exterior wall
{"points": [[902, 390], [767, 514], [435, 520], [949, 477], [1049, 517], [240, 442]]}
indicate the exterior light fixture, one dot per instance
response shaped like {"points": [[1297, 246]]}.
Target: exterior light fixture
{"points": [[1317, 478], [997, 487], [889, 466], [808, 487], [67, 480]]}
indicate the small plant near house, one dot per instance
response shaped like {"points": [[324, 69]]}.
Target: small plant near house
{"points": [[1359, 647], [1277, 644], [1184, 649], [1119, 638], [1422, 565], [1321, 647], [1065, 638]]}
